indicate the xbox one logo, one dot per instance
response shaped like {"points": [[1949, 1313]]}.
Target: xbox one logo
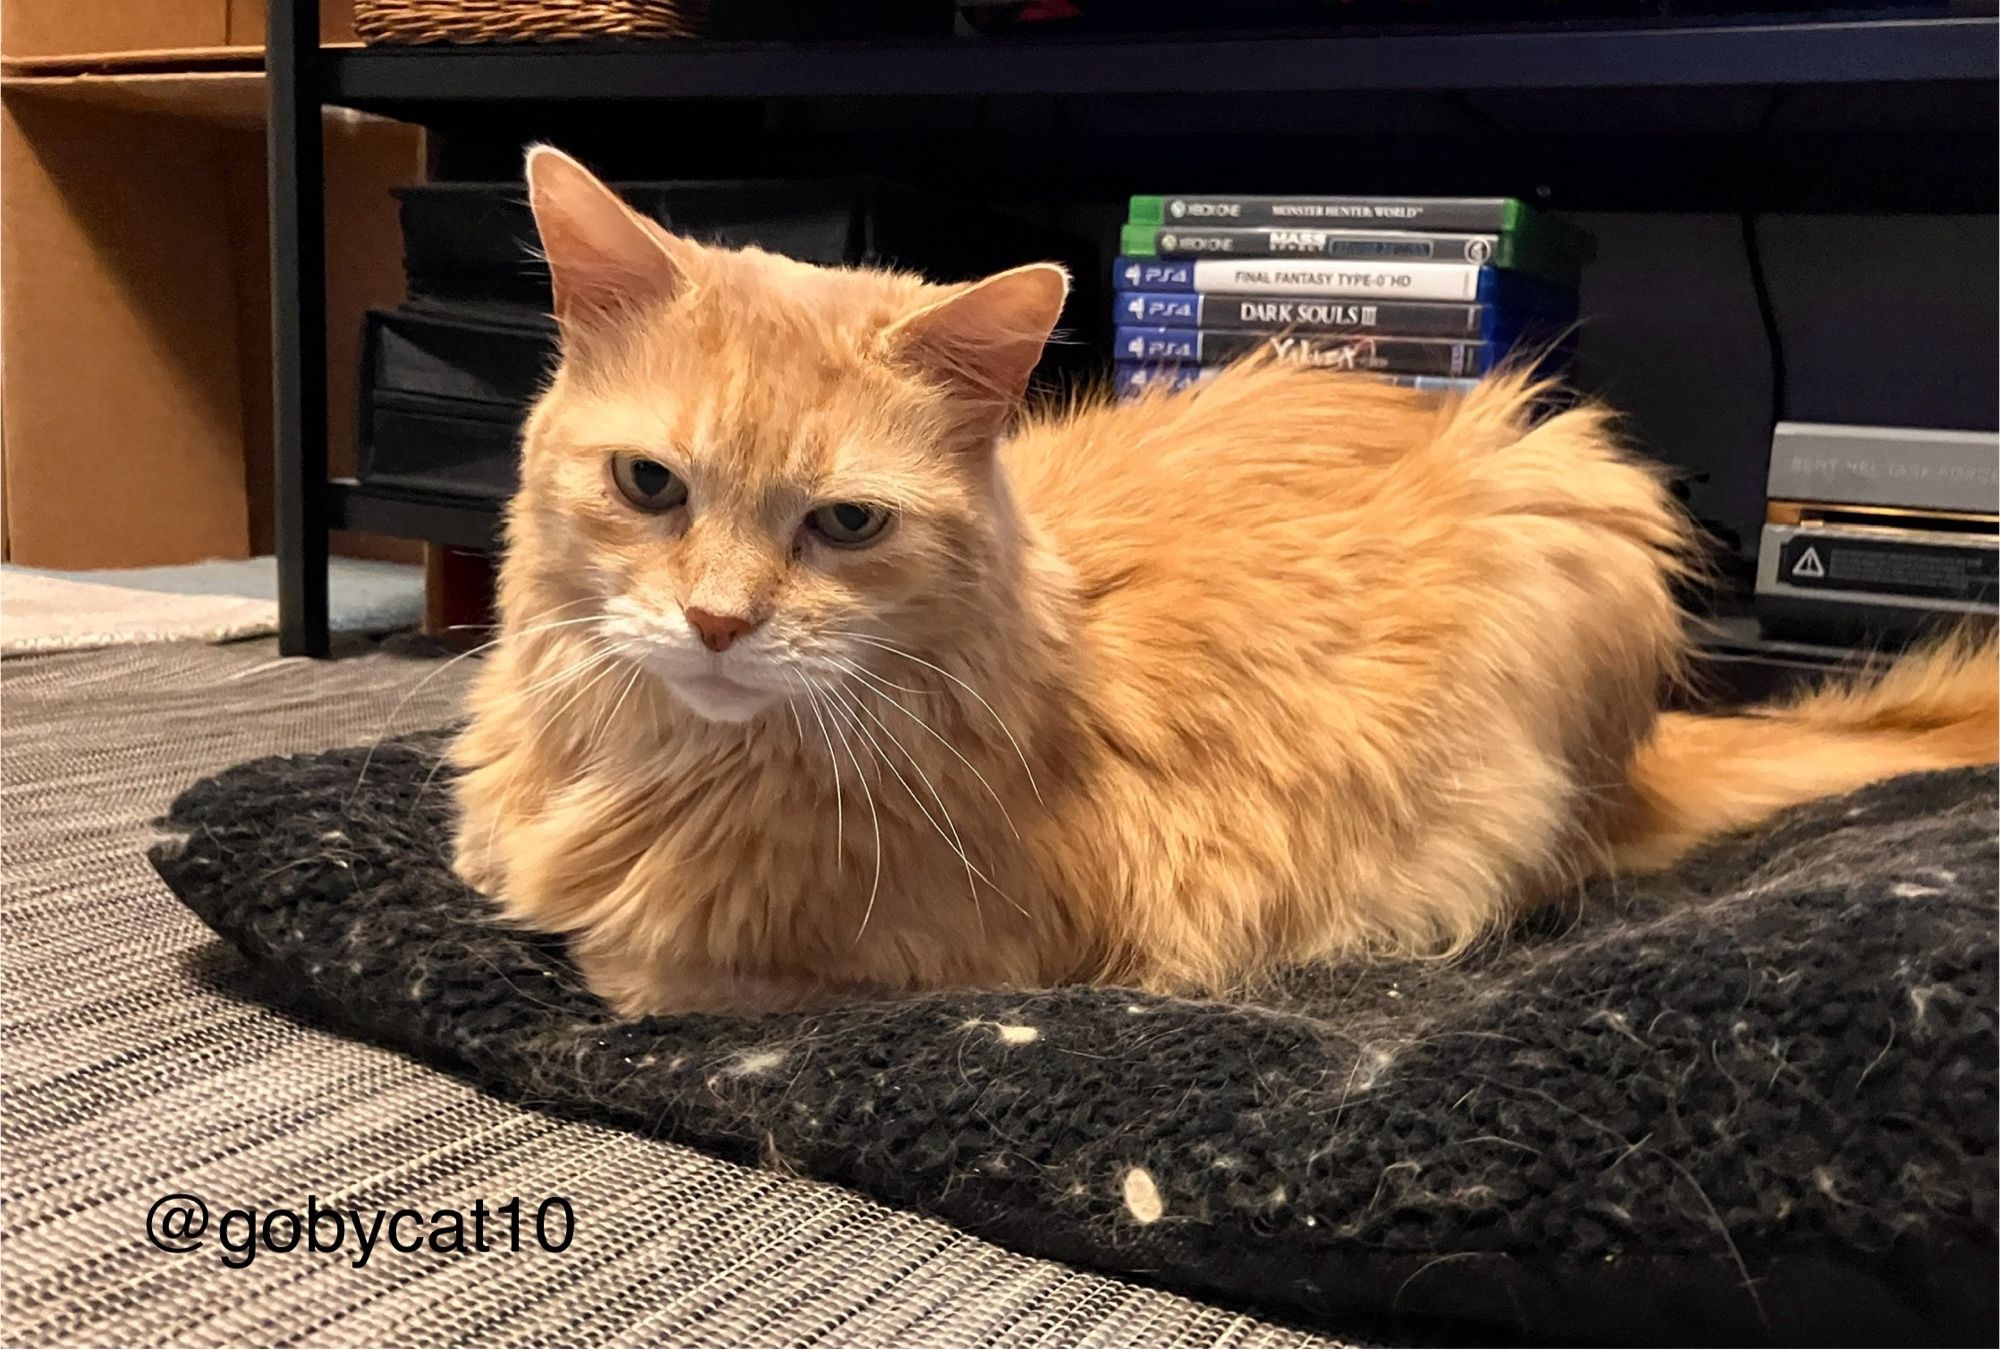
{"points": [[1478, 251], [1177, 209], [1167, 242]]}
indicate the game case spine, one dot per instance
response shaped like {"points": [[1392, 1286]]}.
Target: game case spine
{"points": [[1129, 377], [1151, 309], [1518, 251], [1406, 356], [1283, 241], [1515, 292], [1460, 282], [1495, 214]]}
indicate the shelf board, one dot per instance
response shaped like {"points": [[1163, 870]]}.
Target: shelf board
{"points": [[463, 522], [224, 97], [1570, 56]]}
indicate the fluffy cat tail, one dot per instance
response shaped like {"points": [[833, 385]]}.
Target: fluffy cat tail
{"points": [[1695, 777]]}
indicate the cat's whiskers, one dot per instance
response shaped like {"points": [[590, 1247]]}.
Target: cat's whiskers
{"points": [[605, 662], [814, 692], [882, 680], [839, 812], [389, 722], [425, 786], [863, 673], [948, 830], [599, 650], [837, 708], [1001, 722], [611, 718], [605, 658]]}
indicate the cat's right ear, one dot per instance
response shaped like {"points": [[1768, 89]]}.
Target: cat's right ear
{"points": [[605, 259]]}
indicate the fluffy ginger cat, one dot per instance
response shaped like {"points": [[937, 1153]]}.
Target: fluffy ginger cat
{"points": [[822, 674]]}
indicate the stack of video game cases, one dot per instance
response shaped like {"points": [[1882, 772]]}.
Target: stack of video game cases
{"points": [[1429, 291]]}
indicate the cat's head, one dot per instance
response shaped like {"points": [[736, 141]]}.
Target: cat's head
{"points": [[747, 468]]}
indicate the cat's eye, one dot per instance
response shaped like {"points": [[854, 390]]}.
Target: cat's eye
{"points": [[849, 524], [646, 483]]}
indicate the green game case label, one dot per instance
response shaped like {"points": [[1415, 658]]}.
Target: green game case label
{"points": [[1488, 214]]}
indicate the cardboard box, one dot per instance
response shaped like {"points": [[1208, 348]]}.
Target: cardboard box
{"points": [[134, 310], [79, 33]]}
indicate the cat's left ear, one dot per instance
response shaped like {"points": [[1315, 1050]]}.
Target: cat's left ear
{"points": [[985, 338]]}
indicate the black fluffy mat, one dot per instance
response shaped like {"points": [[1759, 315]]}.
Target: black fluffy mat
{"points": [[1752, 1101]]}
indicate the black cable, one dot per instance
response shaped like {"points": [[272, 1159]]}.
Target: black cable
{"points": [[1760, 285], [1767, 314]]}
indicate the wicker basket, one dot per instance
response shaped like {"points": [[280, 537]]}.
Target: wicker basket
{"points": [[421, 21]]}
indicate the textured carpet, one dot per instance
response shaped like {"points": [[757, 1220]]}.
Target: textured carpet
{"points": [[139, 1057], [1750, 1101]]}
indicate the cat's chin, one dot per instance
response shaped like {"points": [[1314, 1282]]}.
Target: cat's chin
{"points": [[715, 699]]}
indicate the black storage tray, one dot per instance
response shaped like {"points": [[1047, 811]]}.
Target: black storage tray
{"points": [[443, 394], [476, 355], [448, 376], [436, 445], [476, 241]]}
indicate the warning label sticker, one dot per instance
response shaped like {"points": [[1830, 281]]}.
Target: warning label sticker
{"points": [[1927, 571]]}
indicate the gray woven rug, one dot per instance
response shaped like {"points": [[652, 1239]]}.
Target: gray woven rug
{"points": [[138, 1062]]}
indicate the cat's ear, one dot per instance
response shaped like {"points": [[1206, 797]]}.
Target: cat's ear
{"points": [[985, 338], [605, 259]]}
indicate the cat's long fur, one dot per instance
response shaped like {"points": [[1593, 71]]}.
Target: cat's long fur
{"points": [[1285, 666]]}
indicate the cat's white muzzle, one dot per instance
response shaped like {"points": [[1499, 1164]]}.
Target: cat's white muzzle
{"points": [[730, 686], [717, 697]]}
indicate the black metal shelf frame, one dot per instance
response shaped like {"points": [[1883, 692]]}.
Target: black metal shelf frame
{"points": [[422, 83], [1572, 56]]}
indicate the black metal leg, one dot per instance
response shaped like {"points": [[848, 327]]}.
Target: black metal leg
{"points": [[298, 323]]}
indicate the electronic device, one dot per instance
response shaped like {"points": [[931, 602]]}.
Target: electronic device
{"points": [[1876, 533]]}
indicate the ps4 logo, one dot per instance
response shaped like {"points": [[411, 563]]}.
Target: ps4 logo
{"points": [[1158, 343], [1140, 276], [1147, 307]]}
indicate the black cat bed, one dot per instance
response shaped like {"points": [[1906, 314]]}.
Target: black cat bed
{"points": [[1752, 1101]]}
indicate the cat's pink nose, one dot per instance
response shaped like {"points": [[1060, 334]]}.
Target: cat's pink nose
{"points": [[718, 631]]}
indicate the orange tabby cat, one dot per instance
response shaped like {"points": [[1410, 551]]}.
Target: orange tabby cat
{"points": [[819, 675]]}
